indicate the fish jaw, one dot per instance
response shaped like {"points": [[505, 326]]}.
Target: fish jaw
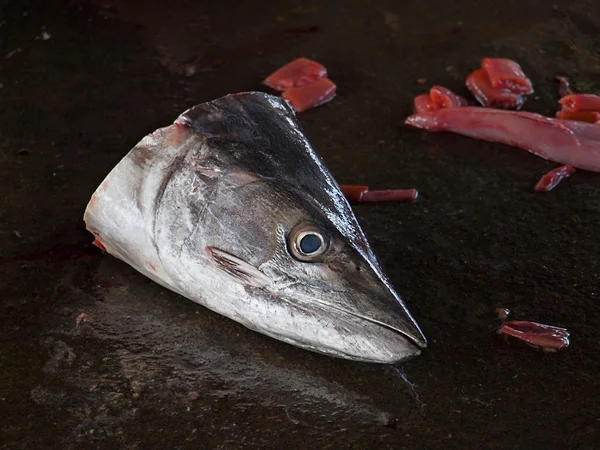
{"points": [[338, 333], [357, 314], [317, 309]]}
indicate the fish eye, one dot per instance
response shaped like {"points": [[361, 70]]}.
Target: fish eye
{"points": [[310, 243], [307, 242]]}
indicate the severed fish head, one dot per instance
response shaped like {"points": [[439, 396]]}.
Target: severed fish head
{"points": [[232, 208]]}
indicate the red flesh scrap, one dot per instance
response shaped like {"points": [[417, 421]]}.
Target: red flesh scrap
{"points": [[563, 87], [361, 194], [390, 195], [507, 74], [562, 141], [547, 337], [580, 102], [424, 103], [445, 98], [298, 73], [353, 193], [581, 116], [97, 241], [480, 86], [310, 95], [552, 178]]}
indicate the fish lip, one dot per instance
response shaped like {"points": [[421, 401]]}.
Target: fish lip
{"points": [[410, 351], [418, 342]]}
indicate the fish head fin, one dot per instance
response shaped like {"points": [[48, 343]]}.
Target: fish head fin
{"points": [[238, 269]]}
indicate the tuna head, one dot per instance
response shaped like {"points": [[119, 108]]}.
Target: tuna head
{"points": [[233, 209]]}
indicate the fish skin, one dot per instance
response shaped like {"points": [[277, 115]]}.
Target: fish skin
{"points": [[204, 207]]}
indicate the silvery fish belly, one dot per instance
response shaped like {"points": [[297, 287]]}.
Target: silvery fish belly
{"points": [[232, 208]]}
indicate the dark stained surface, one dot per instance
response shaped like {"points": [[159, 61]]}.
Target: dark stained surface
{"points": [[149, 369]]}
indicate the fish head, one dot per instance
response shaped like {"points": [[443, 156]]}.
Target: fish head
{"points": [[232, 208]]}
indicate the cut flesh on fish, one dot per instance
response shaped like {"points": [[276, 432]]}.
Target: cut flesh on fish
{"points": [[232, 208]]}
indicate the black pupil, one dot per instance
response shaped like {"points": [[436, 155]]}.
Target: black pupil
{"points": [[310, 243]]}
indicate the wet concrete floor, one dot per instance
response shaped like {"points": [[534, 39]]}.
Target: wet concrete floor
{"points": [[82, 82]]}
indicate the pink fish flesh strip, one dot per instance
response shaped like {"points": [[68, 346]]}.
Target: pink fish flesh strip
{"points": [[552, 178], [580, 102], [507, 74], [547, 337], [561, 141]]}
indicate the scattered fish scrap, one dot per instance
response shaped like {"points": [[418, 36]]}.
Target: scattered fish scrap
{"points": [[552, 178], [499, 83], [580, 103], [303, 83], [571, 139], [438, 97], [362, 194], [445, 98], [507, 74], [547, 337], [580, 107], [298, 73], [310, 95]]}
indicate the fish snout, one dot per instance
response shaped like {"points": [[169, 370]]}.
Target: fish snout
{"points": [[387, 310], [373, 299]]}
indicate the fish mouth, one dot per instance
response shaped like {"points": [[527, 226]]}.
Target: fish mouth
{"points": [[402, 347], [416, 340], [391, 344]]}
